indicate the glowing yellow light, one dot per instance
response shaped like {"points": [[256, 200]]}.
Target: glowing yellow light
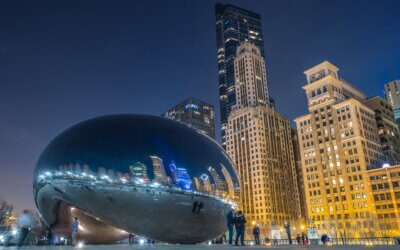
{"points": [[302, 227]]}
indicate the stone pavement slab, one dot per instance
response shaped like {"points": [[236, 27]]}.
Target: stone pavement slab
{"points": [[197, 247]]}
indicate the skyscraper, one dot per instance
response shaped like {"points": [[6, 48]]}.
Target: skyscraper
{"points": [[339, 142], [258, 140], [233, 26], [138, 170], [196, 114], [388, 130], [392, 93], [299, 174], [159, 170], [180, 176]]}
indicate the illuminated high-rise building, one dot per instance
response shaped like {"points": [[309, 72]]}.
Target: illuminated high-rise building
{"points": [[180, 176], [218, 182], [159, 170], [385, 188], [138, 170], [339, 143], [392, 94], [388, 129], [196, 114], [234, 25], [299, 174], [258, 140]]}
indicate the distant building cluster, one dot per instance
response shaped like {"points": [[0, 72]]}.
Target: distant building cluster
{"points": [[211, 182], [323, 173], [195, 113]]}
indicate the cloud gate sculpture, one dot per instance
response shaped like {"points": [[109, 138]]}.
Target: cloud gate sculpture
{"points": [[146, 175]]}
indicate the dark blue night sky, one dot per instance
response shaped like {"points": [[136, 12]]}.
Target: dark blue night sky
{"points": [[62, 62]]}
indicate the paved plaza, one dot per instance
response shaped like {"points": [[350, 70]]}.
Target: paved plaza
{"points": [[197, 247]]}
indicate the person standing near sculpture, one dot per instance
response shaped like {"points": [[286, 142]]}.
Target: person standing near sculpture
{"points": [[24, 224], [256, 233], [230, 219], [74, 231], [240, 226]]}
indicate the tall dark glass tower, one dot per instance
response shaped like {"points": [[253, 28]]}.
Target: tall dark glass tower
{"points": [[233, 25]]}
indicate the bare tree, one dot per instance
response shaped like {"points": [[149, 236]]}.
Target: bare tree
{"points": [[5, 211]]}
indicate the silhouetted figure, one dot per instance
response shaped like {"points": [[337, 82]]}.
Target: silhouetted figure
{"points": [[195, 204], [298, 239], [223, 239], [131, 239], [324, 239], [24, 224], [230, 220], [304, 238], [74, 231], [256, 233], [199, 207], [240, 226]]}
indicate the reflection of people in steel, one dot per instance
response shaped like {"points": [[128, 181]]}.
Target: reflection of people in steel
{"points": [[195, 204], [199, 207]]}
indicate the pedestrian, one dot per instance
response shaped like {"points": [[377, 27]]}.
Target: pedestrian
{"points": [[223, 239], [230, 221], [240, 226], [74, 231], [256, 233], [131, 239], [298, 238], [24, 224], [304, 238]]}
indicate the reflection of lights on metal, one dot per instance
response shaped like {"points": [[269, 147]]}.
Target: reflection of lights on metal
{"points": [[209, 243], [141, 241], [204, 177], [48, 174], [41, 177]]}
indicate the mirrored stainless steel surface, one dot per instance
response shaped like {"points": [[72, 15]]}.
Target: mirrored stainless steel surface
{"points": [[146, 175]]}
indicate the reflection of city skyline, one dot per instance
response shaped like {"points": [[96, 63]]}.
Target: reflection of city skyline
{"points": [[212, 181]]}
